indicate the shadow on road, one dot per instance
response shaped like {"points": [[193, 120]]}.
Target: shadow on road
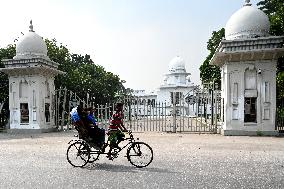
{"points": [[123, 168]]}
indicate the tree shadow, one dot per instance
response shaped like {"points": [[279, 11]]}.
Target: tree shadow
{"points": [[124, 168]]}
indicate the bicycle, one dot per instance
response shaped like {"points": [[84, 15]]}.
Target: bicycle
{"points": [[80, 152]]}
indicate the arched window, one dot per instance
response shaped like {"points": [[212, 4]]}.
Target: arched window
{"points": [[23, 89], [47, 95], [250, 79]]}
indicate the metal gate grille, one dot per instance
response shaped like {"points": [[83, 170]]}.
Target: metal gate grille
{"points": [[280, 116], [200, 111]]}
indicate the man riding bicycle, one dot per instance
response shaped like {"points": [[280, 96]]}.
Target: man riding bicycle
{"points": [[116, 128]]}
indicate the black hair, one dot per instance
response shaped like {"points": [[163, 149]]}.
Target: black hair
{"points": [[119, 105]]}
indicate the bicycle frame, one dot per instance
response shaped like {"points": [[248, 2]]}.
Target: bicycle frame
{"points": [[130, 139], [88, 152]]}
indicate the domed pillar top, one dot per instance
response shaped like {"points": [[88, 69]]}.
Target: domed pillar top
{"points": [[31, 27], [247, 3]]}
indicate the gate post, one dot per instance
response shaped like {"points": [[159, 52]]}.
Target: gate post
{"points": [[63, 113], [174, 112], [216, 112], [212, 107]]}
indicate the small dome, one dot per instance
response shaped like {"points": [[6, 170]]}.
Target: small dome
{"points": [[31, 45], [188, 78], [248, 22], [176, 63]]}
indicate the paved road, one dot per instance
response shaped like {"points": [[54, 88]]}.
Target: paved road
{"points": [[180, 161]]}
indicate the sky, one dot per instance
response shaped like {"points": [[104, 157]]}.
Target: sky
{"points": [[135, 39]]}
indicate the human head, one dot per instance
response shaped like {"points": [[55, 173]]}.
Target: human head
{"points": [[79, 109], [90, 110], [119, 106]]}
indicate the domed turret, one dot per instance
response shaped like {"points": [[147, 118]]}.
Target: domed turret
{"points": [[31, 46], [248, 22], [188, 78], [176, 64]]}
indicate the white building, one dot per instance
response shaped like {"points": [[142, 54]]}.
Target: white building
{"points": [[248, 58], [176, 83], [31, 85], [176, 86]]}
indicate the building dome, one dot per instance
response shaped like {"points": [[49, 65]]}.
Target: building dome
{"points": [[176, 63], [248, 22], [31, 45], [188, 78]]}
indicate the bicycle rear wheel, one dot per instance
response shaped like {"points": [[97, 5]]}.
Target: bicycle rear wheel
{"points": [[140, 154], [78, 154]]}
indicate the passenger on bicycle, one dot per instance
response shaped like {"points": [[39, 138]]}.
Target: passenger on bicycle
{"points": [[97, 134], [77, 117], [90, 118], [115, 128]]}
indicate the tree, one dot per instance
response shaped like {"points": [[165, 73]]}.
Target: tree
{"points": [[210, 73], [275, 11], [82, 74], [5, 53]]}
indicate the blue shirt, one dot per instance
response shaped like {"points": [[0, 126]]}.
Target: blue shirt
{"points": [[91, 119], [75, 117]]}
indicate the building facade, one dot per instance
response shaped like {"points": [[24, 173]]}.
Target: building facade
{"points": [[247, 58], [31, 85], [173, 90]]}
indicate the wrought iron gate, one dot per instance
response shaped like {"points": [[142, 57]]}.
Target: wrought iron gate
{"points": [[4, 114], [280, 116], [200, 111], [64, 100]]}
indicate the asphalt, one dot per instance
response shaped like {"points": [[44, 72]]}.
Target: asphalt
{"points": [[180, 161]]}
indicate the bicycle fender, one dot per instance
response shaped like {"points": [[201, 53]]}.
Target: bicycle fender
{"points": [[76, 140]]}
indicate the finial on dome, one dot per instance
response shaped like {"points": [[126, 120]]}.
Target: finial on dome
{"points": [[31, 26], [247, 3]]}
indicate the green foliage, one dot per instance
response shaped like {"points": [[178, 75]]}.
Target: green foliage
{"points": [[275, 11], [280, 85], [82, 74], [259, 133], [5, 53], [280, 111], [210, 73]]}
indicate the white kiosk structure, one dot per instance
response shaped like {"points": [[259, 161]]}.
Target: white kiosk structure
{"points": [[248, 58], [31, 85]]}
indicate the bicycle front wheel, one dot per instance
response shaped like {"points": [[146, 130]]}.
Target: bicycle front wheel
{"points": [[140, 154], [78, 154]]}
